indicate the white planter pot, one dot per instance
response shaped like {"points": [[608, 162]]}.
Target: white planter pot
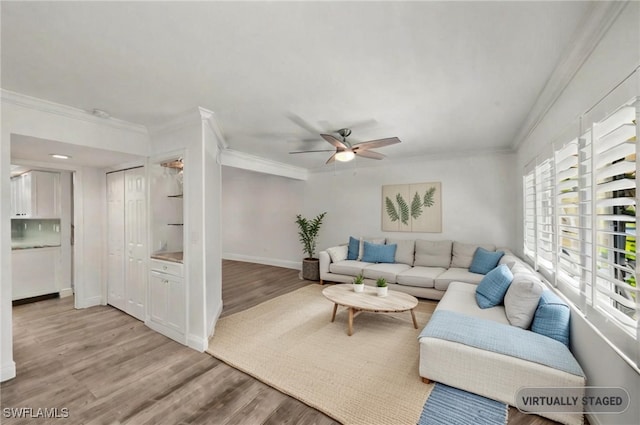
{"points": [[358, 288], [382, 291]]}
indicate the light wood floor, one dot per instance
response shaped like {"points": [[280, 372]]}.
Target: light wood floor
{"points": [[106, 367]]}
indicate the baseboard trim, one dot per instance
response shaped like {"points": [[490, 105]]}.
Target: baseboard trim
{"points": [[65, 292], [296, 265], [8, 371], [89, 302], [212, 324], [197, 343]]}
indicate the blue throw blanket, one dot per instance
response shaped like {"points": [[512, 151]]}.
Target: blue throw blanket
{"points": [[501, 338]]}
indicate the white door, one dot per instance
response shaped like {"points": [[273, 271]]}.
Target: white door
{"points": [[135, 242], [115, 242]]}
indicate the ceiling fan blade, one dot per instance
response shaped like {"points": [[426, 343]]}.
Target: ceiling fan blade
{"points": [[377, 143], [369, 154], [331, 159], [322, 150], [335, 142], [302, 123], [352, 125]]}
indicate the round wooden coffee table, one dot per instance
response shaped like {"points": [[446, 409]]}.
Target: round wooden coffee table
{"points": [[344, 295]]}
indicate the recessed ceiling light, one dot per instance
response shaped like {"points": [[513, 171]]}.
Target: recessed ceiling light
{"points": [[59, 156]]}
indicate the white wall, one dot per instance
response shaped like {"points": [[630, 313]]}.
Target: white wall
{"points": [[191, 133], [615, 57], [258, 216], [478, 195], [259, 210]]}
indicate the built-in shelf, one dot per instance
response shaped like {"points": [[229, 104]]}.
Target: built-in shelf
{"points": [[175, 196]]}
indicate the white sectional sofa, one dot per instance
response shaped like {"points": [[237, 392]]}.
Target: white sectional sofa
{"points": [[422, 268], [493, 351], [501, 360]]}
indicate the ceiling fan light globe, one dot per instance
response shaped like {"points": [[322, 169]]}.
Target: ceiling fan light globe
{"points": [[345, 156]]}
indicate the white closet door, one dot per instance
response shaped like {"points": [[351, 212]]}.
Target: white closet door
{"points": [[136, 242], [115, 243]]}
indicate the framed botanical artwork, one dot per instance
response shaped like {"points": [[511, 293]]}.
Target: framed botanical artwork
{"points": [[415, 207]]}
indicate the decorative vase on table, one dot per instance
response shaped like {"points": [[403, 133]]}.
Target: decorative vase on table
{"points": [[358, 283], [382, 287]]}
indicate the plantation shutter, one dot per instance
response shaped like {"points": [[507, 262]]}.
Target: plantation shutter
{"points": [[568, 215], [529, 183], [614, 190], [545, 243]]}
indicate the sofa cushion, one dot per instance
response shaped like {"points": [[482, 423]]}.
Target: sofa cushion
{"points": [[405, 250], [552, 317], [484, 261], [379, 241], [521, 299], [376, 253], [354, 248], [348, 267], [462, 253], [422, 277], [387, 271], [510, 260], [433, 253], [491, 290], [461, 298], [457, 274], [338, 253]]}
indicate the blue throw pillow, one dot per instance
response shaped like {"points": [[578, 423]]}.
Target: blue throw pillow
{"points": [[378, 253], [552, 317], [354, 248], [484, 261], [491, 289]]}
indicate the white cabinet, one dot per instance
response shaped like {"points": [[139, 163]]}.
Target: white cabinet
{"points": [[167, 301], [36, 194], [127, 241], [35, 272]]}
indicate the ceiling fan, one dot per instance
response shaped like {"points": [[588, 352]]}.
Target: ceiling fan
{"points": [[345, 151]]}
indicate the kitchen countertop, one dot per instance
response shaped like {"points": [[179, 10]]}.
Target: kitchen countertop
{"points": [[175, 257], [26, 245]]}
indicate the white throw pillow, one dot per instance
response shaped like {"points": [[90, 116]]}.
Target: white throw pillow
{"points": [[338, 253], [521, 299]]}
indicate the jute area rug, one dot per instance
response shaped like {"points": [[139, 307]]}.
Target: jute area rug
{"points": [[289, 343]]}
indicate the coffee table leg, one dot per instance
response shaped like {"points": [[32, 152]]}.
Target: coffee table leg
{"points": [[350, 332], [333, 316], [413, 316]]}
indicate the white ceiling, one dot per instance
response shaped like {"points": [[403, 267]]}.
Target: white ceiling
{"points": [[33, 149], [442, 76]]}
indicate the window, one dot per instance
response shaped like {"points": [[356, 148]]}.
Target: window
{"points": [[529, 190], [614, 178], [580, 223]]}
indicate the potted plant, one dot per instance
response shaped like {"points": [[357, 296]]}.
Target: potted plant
{"points": [[381, 283], [358, 283], [308, 233]]}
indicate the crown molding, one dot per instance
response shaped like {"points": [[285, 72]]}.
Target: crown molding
{"points": [[42, 105], [237, 159], [210, 118], [590, 32]]}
